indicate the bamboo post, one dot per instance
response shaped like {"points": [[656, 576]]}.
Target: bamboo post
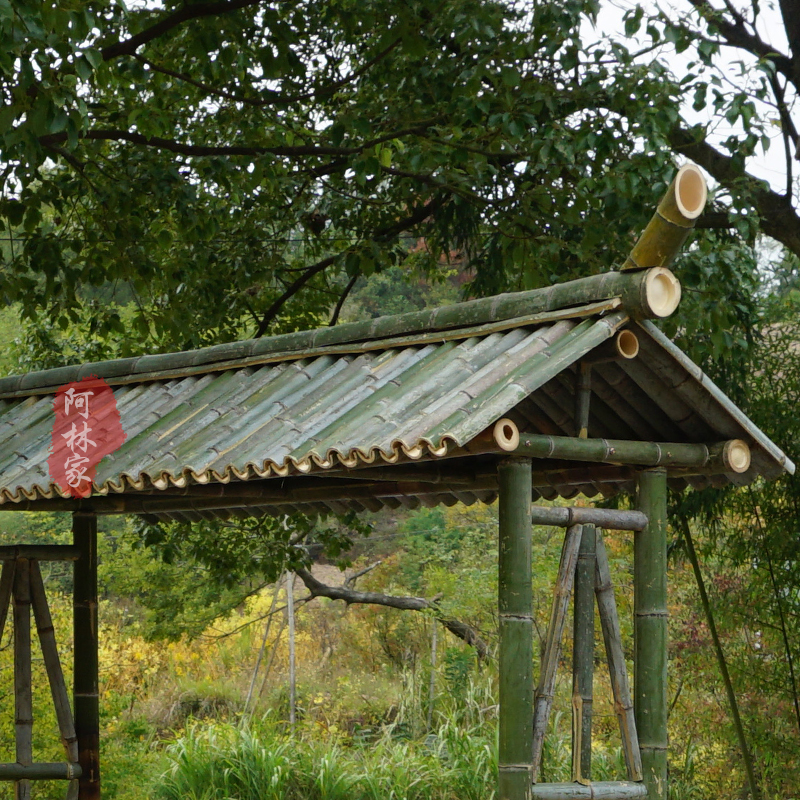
{"points": [[650, 631], [85, 691], [6, 587], [432, 686], [609, 622], [583, 657], [23, 698], [292, 673], [583, 396], [552, 651], [52, 663], [515, 610]]}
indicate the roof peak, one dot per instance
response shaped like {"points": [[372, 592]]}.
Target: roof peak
{"points": [[647, 293]]}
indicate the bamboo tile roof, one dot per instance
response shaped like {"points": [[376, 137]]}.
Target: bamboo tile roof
{"points": [[283, 418]]}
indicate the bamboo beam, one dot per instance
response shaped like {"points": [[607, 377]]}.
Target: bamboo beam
{"points": [[23, 697], [674, 219], [52, 663], [86, 677], [612, 637], [515, 607], [42, 771], [555, 632], [583, 657], [602, 790], [611, 518], [730, 456], [40, 552], [650, 631]]}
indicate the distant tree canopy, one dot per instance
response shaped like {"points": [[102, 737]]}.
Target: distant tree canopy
{"points": [[204, 171]]}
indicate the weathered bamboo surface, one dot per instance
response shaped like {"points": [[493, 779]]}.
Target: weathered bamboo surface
{"points": [[612, 637], [515, 612], [86, 674], [611, 518], [23, 698], [583, 657], [555, 633], [40, 552], [41, 771], [6, 588], [600, 790], [52, 663]]}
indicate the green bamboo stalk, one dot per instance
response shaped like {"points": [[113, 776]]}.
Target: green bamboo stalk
{"points": [[650, 631], [583, 657], [747, 757], [86, 677], [515, 607], [600, 790], [732, 455], [582, 399], [23, 697], [41, 771], [555, 633], [671, 224]]}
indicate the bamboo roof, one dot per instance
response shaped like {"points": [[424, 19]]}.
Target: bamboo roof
{"points": [[382, 413]]}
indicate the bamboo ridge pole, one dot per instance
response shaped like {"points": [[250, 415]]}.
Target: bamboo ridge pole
{"points": [[555, 632], [650, 631], [583, 657], [515, 611], [674, 219]]}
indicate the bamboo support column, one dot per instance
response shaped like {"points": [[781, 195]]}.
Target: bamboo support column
{"points": [[515, 606], [86, 678], [583, 657], [23, 698], [650, 631]]}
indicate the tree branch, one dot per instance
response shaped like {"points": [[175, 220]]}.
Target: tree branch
{"points": [[128, 47], [340, 302], [778, 218], [460, 629]]}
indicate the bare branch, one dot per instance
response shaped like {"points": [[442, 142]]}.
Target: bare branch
{"points": [[350, 583], [460, 629], [128, 47], [340, 302]]}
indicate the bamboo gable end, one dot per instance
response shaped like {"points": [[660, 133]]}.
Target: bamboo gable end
{"points": [[534, 395]]}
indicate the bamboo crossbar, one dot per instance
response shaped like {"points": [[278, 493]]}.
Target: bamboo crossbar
{"points": [[601, 790], [610, 518], [43, 771], [730, 456], [40, 552]]}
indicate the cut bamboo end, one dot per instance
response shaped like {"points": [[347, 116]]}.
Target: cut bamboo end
{"points": [[627, 344], [506, 434], [691, 192], [662, 291], [736, 455]]}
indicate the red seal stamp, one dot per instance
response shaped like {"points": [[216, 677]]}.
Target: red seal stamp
{"points": [[87, 428]]}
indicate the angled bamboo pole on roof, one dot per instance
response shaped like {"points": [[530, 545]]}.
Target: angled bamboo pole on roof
{"points": [[671, 224]]}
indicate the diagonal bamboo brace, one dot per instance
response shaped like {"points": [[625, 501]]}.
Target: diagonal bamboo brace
{"points": [[609, 620], [555, 633]]}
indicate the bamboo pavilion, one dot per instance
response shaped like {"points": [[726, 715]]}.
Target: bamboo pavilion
{"points": [[539, 394]]}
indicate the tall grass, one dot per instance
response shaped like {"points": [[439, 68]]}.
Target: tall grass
{"points": [[221, 761]]}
